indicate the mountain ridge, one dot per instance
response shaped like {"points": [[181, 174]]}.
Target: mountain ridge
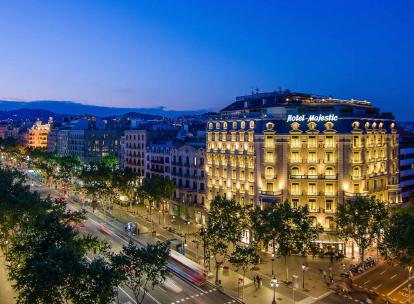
{"points": [[77, 108]]}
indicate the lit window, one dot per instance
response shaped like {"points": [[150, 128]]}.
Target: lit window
{"points": [[270, 173]]}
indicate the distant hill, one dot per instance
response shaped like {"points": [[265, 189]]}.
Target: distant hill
{"points": [[26, 114], [74, 108]]}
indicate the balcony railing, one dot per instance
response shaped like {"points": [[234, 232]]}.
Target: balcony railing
{"points": [[314, 176], [352, 194], [270, 193]]}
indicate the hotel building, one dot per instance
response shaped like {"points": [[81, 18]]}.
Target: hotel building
{"points": [[305, 149]]}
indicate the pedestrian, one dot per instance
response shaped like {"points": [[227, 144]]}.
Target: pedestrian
{"points": [[254, 280], [259, 281], [324, 275], [331, 257]]}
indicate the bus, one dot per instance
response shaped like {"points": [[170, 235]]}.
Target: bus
{"points": [[187, 268]]}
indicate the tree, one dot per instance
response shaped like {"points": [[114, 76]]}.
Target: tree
{"points": [[96, 282], [157, 190], [398, 237], [287, 229], [362, 221], [142, 268], [47, 254], [244, 258], [225, 223]]}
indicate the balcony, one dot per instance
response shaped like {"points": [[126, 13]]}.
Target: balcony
{"points": [[352, 194], [314, 176], [270, 193]]}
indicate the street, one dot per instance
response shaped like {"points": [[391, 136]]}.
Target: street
{"points": [[175, 290]]}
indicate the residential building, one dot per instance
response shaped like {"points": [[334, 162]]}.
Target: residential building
{"points": [[38, 134], [406, 164], [90, 140]]}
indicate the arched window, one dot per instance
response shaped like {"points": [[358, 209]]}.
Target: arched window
{"points": [[295, 171], [314, 220], [329, 171], [356, 172], [270, 173], [234, 125], [312, 171], [251, 124], [329, 223], [242, 125]]}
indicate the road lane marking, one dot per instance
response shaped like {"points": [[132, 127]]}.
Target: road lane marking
{"points": [[398, 287], [366, 282], [383, 271], [376, 287], [393, 276]]}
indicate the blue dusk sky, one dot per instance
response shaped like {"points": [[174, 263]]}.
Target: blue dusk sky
{"points": [[201, 54]]}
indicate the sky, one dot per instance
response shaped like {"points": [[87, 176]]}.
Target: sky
{"points": [[202, 54]]}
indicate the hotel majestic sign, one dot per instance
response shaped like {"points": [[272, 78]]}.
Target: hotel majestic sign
{"points": [[312, 117]]}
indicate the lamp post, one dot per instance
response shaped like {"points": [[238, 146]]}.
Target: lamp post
{"points": [[273, 262], [409, 284], [303, 275], [274, 284]]}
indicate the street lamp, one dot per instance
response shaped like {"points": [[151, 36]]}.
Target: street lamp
{"points": [[303, 275], [188, 227], [274, 283], [273, 262], [409, 285]]}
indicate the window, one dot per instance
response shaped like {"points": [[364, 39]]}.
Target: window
{"points": [[224, 125], [251, 124], [234, 125], [329, 171], [356, 172], [356, 142], [329, 142], [295, 157], [356, 187], [357, 157], [312, 204], [329, 189], [251, 176], [233, 174], [251, 190], [312, 157], [312, 172], [295, 142], [295, 203], [312, 142], [329, 157], [312, 189], [242, 175], [269, 142], [269, 157], [242, 125], [328, 205], [251, 135], [269, 173], [329, 223], [269, 187], [295, 189], [295, 171]]}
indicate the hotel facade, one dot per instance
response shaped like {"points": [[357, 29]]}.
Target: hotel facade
{"points": [[304, 149]]}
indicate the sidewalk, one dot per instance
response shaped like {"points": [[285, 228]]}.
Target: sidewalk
{"points": [[7, 294], [315, 285]]}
